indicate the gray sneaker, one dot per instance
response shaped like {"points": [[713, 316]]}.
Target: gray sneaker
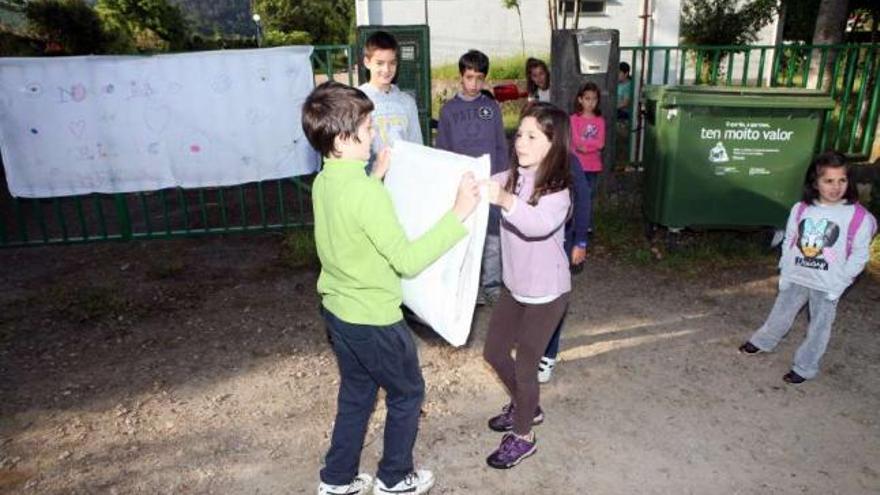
{"points": [[360, 485], [415, 483]]}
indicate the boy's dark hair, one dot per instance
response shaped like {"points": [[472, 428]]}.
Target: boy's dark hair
{"points": [[829, 159], [554, 172], [333, 109], [380, 40], [624, 67], [588, 86], [474, 60], [532, 63]]}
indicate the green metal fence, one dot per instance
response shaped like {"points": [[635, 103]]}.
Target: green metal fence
{"points": [[853, 83], [281, 204], [254, 207]]}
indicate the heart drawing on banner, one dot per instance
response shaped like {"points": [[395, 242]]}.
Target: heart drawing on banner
{"points": [[157, 117], [77, 128]]}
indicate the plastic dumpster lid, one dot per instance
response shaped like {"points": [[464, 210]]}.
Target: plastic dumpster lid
{"points": [[737, 96]]}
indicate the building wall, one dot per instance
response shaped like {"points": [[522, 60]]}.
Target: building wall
{"points": [[459, 25]]}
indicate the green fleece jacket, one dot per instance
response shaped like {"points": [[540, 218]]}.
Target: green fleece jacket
{"points": [[363, 248]]}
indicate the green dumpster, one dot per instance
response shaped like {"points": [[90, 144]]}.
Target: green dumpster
{"points": [[727, 157]]}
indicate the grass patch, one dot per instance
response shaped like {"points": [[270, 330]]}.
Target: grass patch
{"points": [[874, 259], [298, 249], [500, 68], [621, 234], [85, 304]]}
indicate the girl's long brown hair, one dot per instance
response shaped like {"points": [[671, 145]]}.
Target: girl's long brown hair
{"points": [[531, 87], [554, 173]]}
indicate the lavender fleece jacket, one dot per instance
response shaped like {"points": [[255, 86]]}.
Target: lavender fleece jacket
{"points": [[534, 260]]}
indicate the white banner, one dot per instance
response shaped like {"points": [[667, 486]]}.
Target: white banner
{"points": [[76, 125], [423, 183]]}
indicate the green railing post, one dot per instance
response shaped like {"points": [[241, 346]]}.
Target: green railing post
{"points": [[871, 124], [124, 217], [683, 65], [857, 111], [847, 90], [761, 62], [745, 74], [716, 65], [666, 66]]}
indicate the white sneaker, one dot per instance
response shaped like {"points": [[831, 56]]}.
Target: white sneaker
{"points": [[413, 484], [545, 369], [360, 485]]}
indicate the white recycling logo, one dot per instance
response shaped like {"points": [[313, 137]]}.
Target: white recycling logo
{"points": [[718, 153]]}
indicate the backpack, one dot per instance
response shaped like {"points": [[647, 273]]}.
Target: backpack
{"points": [[858, 217]]}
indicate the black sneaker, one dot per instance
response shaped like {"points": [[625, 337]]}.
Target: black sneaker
{"points": [[793, 378], [749, 348]]}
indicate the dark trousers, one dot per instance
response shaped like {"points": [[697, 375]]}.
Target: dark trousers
{"points": [[526, 327], [593, 183], [370, 357]]}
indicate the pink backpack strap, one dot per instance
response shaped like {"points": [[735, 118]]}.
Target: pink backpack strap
{"points": [[858, 217], [801, 206]]}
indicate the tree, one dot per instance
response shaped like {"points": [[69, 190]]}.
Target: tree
{"points": [[154, 25], [326, 21], [69, 27], [514, 4], [724, 22], [800, 21], [830, 25]]}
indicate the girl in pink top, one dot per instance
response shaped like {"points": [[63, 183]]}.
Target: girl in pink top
{"points": [[588, 135]]}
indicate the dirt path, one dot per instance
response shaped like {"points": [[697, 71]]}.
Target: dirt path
{"points": [[201, 367]]}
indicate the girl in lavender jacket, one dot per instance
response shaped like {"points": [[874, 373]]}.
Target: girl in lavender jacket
{"points": [[535, 203]]}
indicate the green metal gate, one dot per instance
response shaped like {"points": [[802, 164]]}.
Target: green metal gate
{"points": [[850, 128]]}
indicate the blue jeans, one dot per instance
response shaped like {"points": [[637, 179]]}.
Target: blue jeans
{"points": [[370, 357], [788, 304], [592, 181]]}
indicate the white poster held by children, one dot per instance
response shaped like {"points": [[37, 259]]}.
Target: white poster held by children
{"points": [[108, 124], [423, 183]]}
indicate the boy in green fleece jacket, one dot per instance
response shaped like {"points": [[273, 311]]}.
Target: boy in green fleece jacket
{"points": [[364, 252]]}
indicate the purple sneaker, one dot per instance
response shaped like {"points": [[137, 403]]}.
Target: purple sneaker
{"points": [[512, 450], [504, 421]]}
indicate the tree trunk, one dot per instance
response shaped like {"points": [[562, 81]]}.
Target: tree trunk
{"points": [[830, 26]]}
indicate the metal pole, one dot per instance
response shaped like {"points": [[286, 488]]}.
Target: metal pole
{"points": [[256, 18]]}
